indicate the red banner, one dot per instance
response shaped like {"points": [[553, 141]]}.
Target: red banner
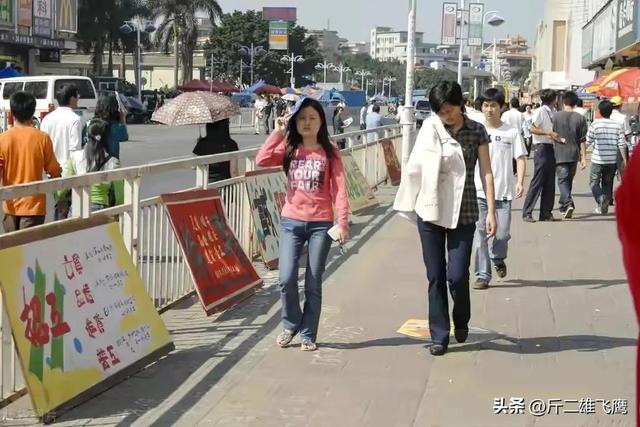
{"points": [[393, 165], [221, 271]]}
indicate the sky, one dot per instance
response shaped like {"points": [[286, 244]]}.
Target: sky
{"points": [[353, 19]]}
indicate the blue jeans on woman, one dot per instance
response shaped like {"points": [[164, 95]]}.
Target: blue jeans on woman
{"points": [[293, 235], [447, 256]]}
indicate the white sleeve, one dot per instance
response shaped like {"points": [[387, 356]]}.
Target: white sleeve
{"points": [[75, 136], [537, 118], [519, 149]]}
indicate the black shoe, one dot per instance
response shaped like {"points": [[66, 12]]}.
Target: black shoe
{"points": [[501, 269], [481, 284], [528, 218], [604, 205], [568, 214], [549, 218], [437, 349], [461, 335]]}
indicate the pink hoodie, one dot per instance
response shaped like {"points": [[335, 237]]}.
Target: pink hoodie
{"points": [[314, 184]]}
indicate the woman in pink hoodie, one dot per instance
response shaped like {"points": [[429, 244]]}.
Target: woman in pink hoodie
{"points": [[315, 184]]}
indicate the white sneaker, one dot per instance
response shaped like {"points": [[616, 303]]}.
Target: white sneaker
{"points": [[598, 210]]}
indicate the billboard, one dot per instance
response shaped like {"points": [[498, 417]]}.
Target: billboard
{"points": [[604, 32], [43, 18], [627, 27], [67, 16], [25, 13], [449, 13], [7, 13], [476, 23], [278, 35], [288, 14]]}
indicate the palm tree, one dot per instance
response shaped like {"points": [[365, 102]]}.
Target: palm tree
{"points": [[178, 23]]}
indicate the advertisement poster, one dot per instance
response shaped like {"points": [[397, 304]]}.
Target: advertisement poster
{"points": [[43, 18], [287, 14], [25, 13], [449, 14], [221, 271], [79, 312], [278, 35], [476, 23], [7, 13], [391, 160], [67, 15], [267, 190], [361, 195]]}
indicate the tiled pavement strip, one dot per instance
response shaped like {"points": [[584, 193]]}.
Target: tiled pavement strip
{"points": [[563, 321]]}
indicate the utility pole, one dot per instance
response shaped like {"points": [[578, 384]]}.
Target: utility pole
{"points": [[407, 116]]}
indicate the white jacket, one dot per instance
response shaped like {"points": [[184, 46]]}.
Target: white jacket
{"points": [[433, 181]]}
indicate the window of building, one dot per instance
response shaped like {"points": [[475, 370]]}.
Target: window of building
{"points": [[10, 89], [422, 62], [37, 89]]}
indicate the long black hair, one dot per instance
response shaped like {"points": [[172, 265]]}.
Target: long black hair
{"points": [[107, 107], [294, 139], [96, 151]]}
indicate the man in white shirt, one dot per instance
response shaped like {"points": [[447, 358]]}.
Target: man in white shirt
{"points": [[625, 125], [64, 127], [543, 182], [580, 109], [506, 145], [475, 112], [363, 116], [513, 117]]}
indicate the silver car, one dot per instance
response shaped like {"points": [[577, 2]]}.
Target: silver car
{"points": [[422, 111]]}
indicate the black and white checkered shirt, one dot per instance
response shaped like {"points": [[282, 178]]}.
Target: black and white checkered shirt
{"points": [[471, 136]]}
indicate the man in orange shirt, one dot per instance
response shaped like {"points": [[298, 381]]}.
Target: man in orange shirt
{"points": [[25, 152]]}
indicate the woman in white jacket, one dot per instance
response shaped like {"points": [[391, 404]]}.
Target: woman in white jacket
{"points": [[438, 185]]}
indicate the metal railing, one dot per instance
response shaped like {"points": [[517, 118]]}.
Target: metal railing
{"points": [[147, 231]]}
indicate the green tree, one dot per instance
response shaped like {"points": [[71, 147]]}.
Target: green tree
{"points": [[239, 29], [426, 78], [178, 19]]}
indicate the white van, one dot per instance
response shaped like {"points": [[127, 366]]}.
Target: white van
{"points": [[44, 88]]}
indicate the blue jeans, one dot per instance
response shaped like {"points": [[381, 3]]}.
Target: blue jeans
{"points": [[565, 173], [497, 251], [447, 255], [293, 235]]}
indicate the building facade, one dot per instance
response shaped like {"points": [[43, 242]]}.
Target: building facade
{"points": [[33, 33], [328, 42], [558, 60], [356, 48], [386, 44]]}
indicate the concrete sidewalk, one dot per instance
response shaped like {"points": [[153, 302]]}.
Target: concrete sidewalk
{"points": [[561, 326]]}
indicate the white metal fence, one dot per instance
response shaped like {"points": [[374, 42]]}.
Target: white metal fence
{"points": [[147, 231]]}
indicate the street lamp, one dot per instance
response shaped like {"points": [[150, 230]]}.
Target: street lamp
{"points": [[138, 26], [293, 58], [324, 66], [252, 52], [388, 79], [495, 20], [341, 69], [363, 74]]}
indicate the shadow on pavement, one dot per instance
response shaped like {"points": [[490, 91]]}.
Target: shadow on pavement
{"points": [[380, 342], [594, 283], [541, 345], [177, 368]]}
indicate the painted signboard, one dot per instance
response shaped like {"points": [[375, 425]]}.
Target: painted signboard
{"points": [[361, 195], [25, 13], [288, 14], [43, 18], [79, 312], [278, 35], [627, 27], [267, 192], [391, 160], [604, 32], [7, 13], [221, 271], [476, 23]]}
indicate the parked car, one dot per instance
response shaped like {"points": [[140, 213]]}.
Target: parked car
{"points": [[44, 88], [422, 111]]}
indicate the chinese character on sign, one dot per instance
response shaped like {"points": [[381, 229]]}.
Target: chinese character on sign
{"points": [[620, 406], [554, 405], [36, 331], [76, 263], [90, 328], [79, 300], [103, 358], [516, 405], [68, 268], [58, 326], [606, 406], [194, 223], [499, 405], [112, 354], [41, 7], [87, 293], [99, 323]]}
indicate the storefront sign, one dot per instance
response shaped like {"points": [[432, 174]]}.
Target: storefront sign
{"points": [[449, 13], [7, 13], [361, 195], [43, 18], [587, 45], [278, 35], [25, 13], [476, 23], [627, 23], [604, 32], [267, 191], [287, 14], [221, 271], [79, 312], [6, 37], [67, 16]]}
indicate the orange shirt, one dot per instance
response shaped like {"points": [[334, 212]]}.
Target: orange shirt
{"points": [[24, 154]]}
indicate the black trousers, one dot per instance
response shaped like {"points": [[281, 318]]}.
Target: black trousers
{"points": [[543, 182], [447, 256]]}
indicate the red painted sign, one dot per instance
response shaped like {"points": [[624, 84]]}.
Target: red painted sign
{"points": [[221, 271], [391, 160], [288, 14]]}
